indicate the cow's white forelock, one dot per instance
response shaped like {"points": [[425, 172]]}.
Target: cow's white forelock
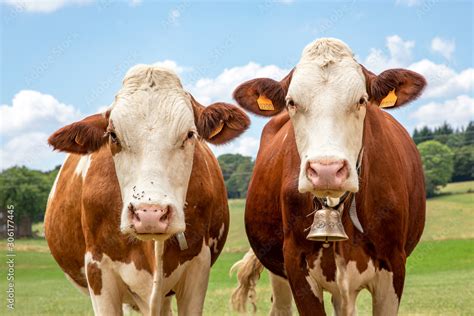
{"points": [[325, 51], [152, 115], [327, 85]]}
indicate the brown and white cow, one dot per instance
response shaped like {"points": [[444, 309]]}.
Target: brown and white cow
{"points": [[137, 173], [327, 113]]}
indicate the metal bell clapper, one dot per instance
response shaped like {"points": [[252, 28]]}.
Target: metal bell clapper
{"points": [[327, 226]]}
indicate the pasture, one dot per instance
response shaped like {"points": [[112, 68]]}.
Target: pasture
{"points": [[440, 272]]}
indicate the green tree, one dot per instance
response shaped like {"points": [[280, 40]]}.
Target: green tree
{"points": [[27, 190], [454, 140], [237, 170], [438, 165], [469, 134], [444, 134], [422, 135], [463, 163]]}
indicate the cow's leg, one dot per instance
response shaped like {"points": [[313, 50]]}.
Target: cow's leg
{"points": [[166, 309], [385, 300], [307, 293], [281, 295], [348, 281], [388, 287], [336, 305], [346, 303], [104, 288], [192, 287]]}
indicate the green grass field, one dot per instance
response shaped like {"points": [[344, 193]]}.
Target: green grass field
{"points": [[440, 272]]}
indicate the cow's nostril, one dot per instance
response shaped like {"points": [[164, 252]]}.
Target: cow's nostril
{"points": [[343, 171], [164, 218], [311, 172]]}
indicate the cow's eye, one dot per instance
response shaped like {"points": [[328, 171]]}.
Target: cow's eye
{"points": [[362, 102], [291, 106], [113, 137], [190, 134]]}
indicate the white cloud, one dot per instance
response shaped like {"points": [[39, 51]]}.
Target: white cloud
{"points": [[457, 112], [444, 47], [244, 145], [34, 111], [43, 6], [444, 82], [31, 150], [26, 124], [399, 54], [220, 88], [400, 50], [208, 90]]}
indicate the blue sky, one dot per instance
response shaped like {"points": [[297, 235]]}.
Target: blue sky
{"points": [[64, 59]]}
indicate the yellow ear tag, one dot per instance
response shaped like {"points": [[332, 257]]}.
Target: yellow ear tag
{"points": [[217, 130], [265, 104], [389, 100]]}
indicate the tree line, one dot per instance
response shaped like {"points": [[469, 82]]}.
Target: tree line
{"points": [[447, 155], [27, 191]]}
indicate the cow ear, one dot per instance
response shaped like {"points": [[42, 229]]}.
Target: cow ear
{"points": [[263, 96], [395, 87], [219, 122], [81, 137]]}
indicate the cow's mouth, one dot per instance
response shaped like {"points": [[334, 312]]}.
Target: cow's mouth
{"points": [[151, 236], [337, 193]]}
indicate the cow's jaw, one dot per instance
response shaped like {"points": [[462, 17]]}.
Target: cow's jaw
{"points": [[326, 88], [155, 161]]}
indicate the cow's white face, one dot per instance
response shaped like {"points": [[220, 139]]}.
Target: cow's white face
{"points": [[326, 101], [153, 133], [152, 129], [326, 96]]}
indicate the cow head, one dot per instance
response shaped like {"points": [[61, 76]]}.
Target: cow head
{"points": [[326, 96], [151, 130]]}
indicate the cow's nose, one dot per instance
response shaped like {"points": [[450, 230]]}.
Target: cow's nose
{"points": [[150, 218], [327, 174]]}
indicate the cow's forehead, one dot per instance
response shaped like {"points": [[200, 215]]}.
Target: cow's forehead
{"points": [[327, 64], [326, 50], [141, 76], [151, 97]]}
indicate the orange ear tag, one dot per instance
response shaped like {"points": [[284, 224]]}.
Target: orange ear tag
{"points": [[265, 104], [217, 130], [389, 100]]}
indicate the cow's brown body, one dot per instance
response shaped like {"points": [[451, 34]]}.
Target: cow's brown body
{"points": [[390, 206], [83, 216]]}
